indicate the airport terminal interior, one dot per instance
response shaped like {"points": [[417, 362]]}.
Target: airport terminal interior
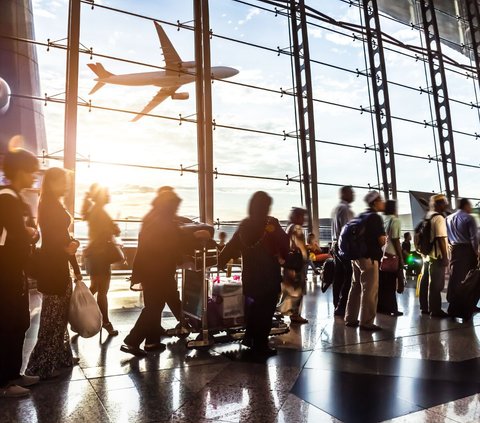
{"points": [[296, 98]]}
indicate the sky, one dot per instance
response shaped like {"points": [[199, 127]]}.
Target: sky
{"points": [[110, 136]]}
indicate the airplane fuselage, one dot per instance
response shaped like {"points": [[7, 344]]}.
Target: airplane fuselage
{"points": [[165, 79]]}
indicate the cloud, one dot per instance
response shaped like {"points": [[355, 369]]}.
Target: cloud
{"points": [[251, 13]]}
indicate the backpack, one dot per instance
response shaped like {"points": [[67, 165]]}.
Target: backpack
{"points": [[423, 233], [327, 273], [3, 230], [352, 242]]}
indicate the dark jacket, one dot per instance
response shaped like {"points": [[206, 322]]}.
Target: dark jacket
{"points": [[15, 252], [161, 245], [260, 249], [374, 228], [54, 221]]}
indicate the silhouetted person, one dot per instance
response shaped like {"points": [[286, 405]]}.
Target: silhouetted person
{"points": [[161, 244], [263, 245], [462, 236], [101, 231], [16, 239], [343, 267], [406, 245], [52, 350]]}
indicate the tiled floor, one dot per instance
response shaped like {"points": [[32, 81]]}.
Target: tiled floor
{"points": [[418, 369]]}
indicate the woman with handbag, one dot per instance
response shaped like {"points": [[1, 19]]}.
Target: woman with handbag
{"points": [[52, 350], [263, 246], [391, 278], [295, 276], [101, 251]]}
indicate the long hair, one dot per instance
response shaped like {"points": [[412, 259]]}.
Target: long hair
{"points": [[50, 177]]}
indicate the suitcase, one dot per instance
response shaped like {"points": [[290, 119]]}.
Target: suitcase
{"points": [[466, 296]]}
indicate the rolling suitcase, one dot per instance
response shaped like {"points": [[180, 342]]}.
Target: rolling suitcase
{"points": [[466, 296]]}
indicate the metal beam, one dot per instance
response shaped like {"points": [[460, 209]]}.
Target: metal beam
{"points": [[473, 15], [197, 16], [379, 84], [306, 122], [207, 97], [440, 97], [71, 98]]}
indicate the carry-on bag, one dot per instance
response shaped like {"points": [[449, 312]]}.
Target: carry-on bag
{"points": [[466, 296]]}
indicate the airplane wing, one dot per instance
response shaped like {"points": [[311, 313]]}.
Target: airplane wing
{"points": [[172, 59], [163, 94]]}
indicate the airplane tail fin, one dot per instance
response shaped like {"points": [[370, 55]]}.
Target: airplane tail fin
{"points": [[99, 70], [97, 86]]}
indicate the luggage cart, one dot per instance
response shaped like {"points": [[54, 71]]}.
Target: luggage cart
{"points": [[195, 300]]}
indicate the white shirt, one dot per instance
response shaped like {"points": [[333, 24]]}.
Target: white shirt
{"points": [[393, 229], [438, 230]]}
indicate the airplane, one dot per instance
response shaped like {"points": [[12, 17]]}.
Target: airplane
{"points": [[177, 73]]}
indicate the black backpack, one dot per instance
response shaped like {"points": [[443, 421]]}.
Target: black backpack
{"points": [[352, 243], [423, 234]]}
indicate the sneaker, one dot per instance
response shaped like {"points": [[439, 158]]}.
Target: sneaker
{"points": [[371, 328], [24, 381], [14, 391]]}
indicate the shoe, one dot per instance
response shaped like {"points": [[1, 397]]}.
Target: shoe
{"points": [[109, 328], [371, 328], [14, 391], [158, 346], [298, 319], [24, 381], [476, 309], [75, 361], [440, 314], [352, 324], [130, 349], [396, 313]]}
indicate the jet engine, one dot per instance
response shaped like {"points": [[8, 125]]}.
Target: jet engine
{"points": [[180, 96]]}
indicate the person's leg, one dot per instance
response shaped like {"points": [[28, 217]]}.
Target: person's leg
{"points": [[345, 288], [338, 280], [369, 300], [353, 302], [424, 282], [146, 324], [435, 287], [387, 293], [102, 282]]}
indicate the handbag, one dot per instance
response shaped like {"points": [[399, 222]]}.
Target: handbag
{"points": [[83, 314], [294, 260], [389, 263], [113, 253]]}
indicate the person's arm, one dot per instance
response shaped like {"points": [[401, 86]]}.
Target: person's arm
{"points": [[381, 235], [473, 233], [76, 268], [230, 251]]}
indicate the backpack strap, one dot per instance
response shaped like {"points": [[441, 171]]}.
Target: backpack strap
{"points": [[11, 192]]}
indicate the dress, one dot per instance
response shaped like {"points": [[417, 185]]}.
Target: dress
{"points": [[52, 350]]}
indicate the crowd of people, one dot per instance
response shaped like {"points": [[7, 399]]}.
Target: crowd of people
{"points": [[274, 266]]}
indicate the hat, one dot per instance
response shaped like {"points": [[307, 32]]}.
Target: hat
{"points": [[371, 197]]}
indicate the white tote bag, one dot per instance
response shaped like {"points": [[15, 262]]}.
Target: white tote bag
{"points": [[84, 315]]}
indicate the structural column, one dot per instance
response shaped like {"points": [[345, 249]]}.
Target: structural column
{"points": [[473, 15], [440, 97], [204, 110], [71, 96], [378, 77], [306, 123]]}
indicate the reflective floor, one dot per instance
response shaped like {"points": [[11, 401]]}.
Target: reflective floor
{"points": [[418, 369]]}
